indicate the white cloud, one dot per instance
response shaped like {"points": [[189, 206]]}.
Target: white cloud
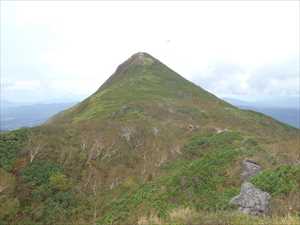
{"points": [[77, 45], [24, 85], [274, 79]]}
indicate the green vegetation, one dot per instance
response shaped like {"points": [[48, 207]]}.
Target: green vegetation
{"points": [[281, 180], [51, 197], [11, 143], [198, 143], [39, 172], [202, 183]]}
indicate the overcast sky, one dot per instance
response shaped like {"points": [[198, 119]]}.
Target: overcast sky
{"points": [[61, 51]]}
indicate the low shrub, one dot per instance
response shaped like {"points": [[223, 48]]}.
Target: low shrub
{"points": [[11, 144], [282, 180], [39, 172]]}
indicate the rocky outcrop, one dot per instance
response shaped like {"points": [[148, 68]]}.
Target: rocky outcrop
{"points": [[250, 168], [252, 200]]}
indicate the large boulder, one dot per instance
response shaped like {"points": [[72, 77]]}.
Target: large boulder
{"points": [[250, 168], [252, 200]]}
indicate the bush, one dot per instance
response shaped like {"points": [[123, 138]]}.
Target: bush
{"points": [[39, 172], [8, 208], [282, 180], [50, 192], [60, 182], [197, 143], [11, 144], [194, 145]]}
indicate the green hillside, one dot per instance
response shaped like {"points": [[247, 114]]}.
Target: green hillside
{"points": [[139, 82], [148, 147]]}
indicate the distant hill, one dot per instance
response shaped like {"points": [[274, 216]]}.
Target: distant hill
{"points": [[148, 147], [14, 116], [289, 102], [289, 116], [288, 113]]}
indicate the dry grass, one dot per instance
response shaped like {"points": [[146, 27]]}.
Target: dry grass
{"points": [[7, 181], [188, 216], [286, 151], [287, 204], [150, 220], [182, 213]]}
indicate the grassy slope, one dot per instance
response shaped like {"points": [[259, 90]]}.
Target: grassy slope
{"points": [[144, 145]]}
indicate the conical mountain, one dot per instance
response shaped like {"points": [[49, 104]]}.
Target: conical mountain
{"points": [[146, 147], [143, 88], [142, 81]]}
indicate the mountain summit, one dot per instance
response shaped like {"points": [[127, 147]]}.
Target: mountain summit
{"points": [[149, 147], [140, 58]]}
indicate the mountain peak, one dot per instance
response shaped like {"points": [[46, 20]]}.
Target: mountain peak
{"points": [[141, 58], [140, 80], [141, 55]]}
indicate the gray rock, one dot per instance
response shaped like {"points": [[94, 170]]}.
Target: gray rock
{"points": [[126, 132], [252, 200], [250, 169]]}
